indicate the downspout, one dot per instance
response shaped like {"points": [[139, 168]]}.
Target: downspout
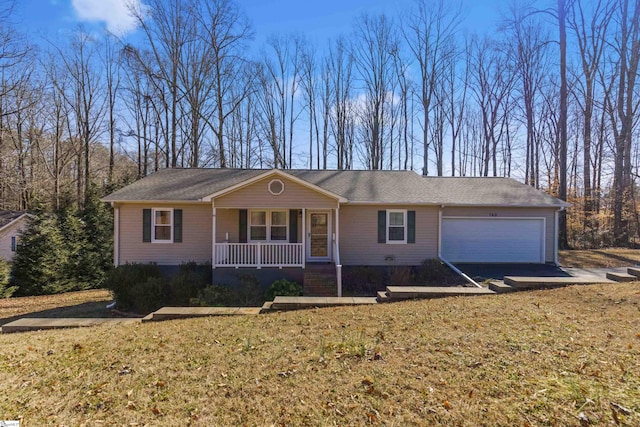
{"points": [[555, 241], [447, 263]]}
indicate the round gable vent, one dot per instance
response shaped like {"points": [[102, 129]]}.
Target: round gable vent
{"points": [[276, 187]]}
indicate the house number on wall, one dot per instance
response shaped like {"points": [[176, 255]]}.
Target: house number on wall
{"points": [[493, 214]]}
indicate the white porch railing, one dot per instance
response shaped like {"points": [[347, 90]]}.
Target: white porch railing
{"points": [[259, 255]]}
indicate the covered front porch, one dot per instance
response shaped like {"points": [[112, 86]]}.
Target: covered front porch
{"points": [[276, 220], [277, 238]]}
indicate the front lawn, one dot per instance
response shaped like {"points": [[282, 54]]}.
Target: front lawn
{"points": [[552, 357], [89, 303], [599, 258]]}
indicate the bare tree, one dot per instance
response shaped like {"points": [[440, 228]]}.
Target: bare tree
{"points": [[165, 25], [339, 82], [622, 103], [429, 32], [372, 48], [491, 85], [83, 95], [226, 32], [590, 33]]}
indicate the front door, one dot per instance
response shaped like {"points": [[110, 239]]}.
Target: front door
{"points": [[319, 236]]}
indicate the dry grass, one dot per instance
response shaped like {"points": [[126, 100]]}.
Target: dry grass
{"points": [[599, 258], [73, 304], [525, 359]]}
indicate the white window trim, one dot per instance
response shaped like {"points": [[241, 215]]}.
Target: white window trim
{"points": [[268, 226], [153, 225], [404, 226]]}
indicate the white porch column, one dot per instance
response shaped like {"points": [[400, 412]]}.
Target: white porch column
{"points": [[213, 236], [304, 237]]}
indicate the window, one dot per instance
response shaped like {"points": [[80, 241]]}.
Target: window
{"points": [[396, 226], [14, 243], [162, 225], [258, 225], [279, 225], [268, 226]]}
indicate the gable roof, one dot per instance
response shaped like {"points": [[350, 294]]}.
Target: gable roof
{"points": [[272, 173], [9, 217], [354, 186]]}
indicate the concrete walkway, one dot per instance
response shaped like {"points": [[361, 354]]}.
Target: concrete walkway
{"points": [[294, 303], [39, 323], [168, 313]]}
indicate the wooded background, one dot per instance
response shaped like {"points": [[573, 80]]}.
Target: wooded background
{"points": [[549, 97]]}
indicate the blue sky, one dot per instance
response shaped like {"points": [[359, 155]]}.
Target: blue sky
{"points": [[318, 20]]}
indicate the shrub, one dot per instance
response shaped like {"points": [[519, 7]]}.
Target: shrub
{"points": [[124, 283], [217, 296], [150, 295], [283, 287], [362, 280], [401, 276], [188, 283], [250, 291], [433, 272]]}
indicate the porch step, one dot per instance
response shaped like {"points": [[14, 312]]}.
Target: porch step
{"points": [[320, 280], [634, 271], [621, 277], [499, 287], [266, 307], [383, 296]]}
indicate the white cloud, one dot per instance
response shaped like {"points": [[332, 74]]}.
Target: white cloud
{"points": [[114, 13]]}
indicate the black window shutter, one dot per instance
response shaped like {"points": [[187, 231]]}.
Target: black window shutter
{"points": [[293, 226], [146, 225], [177, 225], [242, 225], [411, 226], [382, 226]]}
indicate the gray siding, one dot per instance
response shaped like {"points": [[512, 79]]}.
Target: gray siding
{"points": [[196, 236], [546, 213], [359, 237], [257, 195]]}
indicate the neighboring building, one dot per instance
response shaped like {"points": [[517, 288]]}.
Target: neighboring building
{"points": [[289, 219], [12, 224]]}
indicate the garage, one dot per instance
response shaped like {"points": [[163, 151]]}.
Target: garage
{"points": [[517, 240]]}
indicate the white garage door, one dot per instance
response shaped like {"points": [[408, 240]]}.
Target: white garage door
{"points": [[493, 239]]}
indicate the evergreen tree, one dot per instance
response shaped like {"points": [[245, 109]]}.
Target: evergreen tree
{"points": [[40, 257], [97, 251], [5, 290]]}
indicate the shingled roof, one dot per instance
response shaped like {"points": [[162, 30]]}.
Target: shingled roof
{"points": [[7, 217], [387, 187]]}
